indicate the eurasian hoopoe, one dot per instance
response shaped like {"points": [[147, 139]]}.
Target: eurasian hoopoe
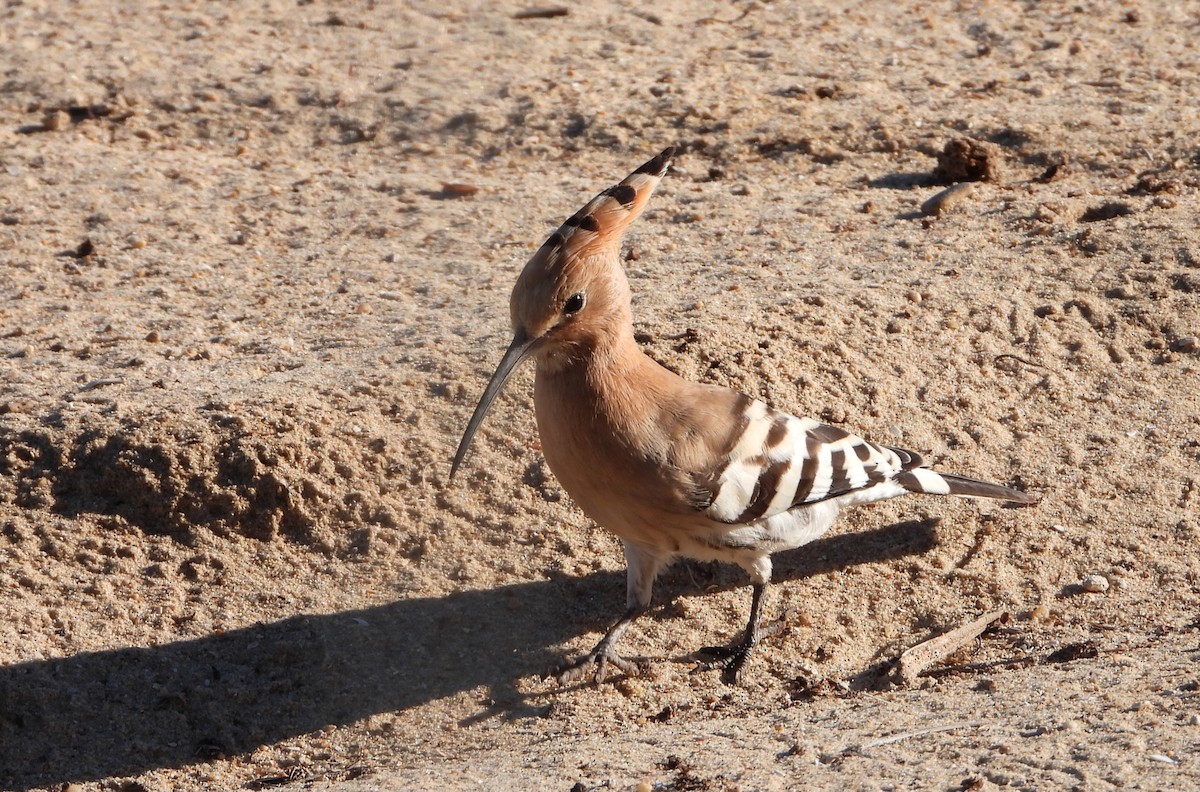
{"points": [[672, 467]]}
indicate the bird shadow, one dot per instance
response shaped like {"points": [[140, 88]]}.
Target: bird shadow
{"points": [[126, 711]]}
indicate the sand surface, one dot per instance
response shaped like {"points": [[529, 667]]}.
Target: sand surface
{"points": [[254, 271]]}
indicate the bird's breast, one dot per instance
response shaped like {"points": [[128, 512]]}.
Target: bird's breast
{"points": [[607, 455]]}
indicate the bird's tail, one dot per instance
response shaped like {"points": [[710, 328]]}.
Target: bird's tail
{"points": [[934, 483]]}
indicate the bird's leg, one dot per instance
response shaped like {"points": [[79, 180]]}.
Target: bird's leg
{"points": [[730, 659], [605, 654], [643, 566]]}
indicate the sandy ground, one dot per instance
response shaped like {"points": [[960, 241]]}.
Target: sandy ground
{"points": [[254, 270]]}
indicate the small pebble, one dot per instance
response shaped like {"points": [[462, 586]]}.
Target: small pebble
{"points": [[458, 190], [1094, 584], [1039, 613], [55, 120], [549, 12], [947, 198], [1187, 344]]}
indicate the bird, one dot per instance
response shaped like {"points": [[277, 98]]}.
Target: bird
{"points": [[675, 468]]}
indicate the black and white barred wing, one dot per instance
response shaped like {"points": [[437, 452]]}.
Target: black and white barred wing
{"points": [[781, 462]]}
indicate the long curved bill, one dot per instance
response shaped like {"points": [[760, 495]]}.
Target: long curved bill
{"points": [[517, 351]]}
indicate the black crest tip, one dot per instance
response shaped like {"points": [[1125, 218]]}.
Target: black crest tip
{"points": [[658, 166]]}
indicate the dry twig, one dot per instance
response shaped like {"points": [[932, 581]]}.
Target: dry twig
{"points": [[918, 658]]}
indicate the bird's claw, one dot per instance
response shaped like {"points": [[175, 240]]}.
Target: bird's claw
{"points": [[729, 660], [596, 665]]}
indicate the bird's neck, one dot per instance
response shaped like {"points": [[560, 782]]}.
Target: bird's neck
{"points": [[593, 343], [609, 382]]}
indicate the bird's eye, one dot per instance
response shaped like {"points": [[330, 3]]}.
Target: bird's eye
{"points": [[574, 303]]}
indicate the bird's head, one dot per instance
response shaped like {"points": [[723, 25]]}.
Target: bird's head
{"points": [[573, 293]]}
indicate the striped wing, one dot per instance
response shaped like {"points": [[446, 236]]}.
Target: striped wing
{"points": [[780, 462]]}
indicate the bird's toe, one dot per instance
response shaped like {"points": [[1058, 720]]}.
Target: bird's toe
{"points": [[729, 660], [598, 665]]}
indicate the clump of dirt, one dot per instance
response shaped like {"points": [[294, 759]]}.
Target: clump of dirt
{"points": [[1106, 211], [967, 160], [225, 475]]}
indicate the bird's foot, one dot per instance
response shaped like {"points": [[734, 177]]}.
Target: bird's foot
{"points": [[730, 660], [597, 664]]}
